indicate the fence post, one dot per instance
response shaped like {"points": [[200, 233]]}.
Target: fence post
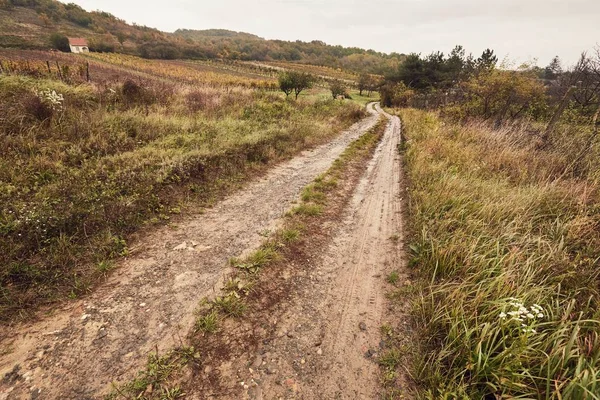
{"points": [[60, 75]]}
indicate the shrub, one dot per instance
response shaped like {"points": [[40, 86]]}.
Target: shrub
{"points": [[60, 42], [501, 94], [338, 88], [37, 108], [396, 95], [201, 100], [103, 44], [134, 93]]}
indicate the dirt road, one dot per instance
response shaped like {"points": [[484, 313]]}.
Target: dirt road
{"points": [[326, 340], [148, 303]]}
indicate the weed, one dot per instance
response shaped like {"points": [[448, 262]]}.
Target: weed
{"points": [[325, 185], [265, 233], [390, 359], [311, 210], [231, 305], [386, 330], [208, 323], [105, 267], [311, 193], [255, 261], [263, 256], [393, 277], [237, 285], [290, 235], [153, 382]]}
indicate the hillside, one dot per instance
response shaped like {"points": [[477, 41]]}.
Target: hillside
{"points": [[28, 24]]}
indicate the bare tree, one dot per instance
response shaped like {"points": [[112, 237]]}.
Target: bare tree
{"points": [[582, 86]]}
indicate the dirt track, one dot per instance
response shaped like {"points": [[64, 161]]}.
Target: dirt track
{"points": [[327, 338], [148, 303]]}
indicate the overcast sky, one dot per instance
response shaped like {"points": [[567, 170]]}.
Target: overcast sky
{"points": [[521, 30]]}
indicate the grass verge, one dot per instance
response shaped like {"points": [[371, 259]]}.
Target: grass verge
{"points": [[506, 248]]}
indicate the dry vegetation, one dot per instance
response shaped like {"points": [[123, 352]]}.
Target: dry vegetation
{"points": [[86, 163], [506, 241]]}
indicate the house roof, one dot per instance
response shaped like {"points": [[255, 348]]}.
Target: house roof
{"points": [[77, 42]]}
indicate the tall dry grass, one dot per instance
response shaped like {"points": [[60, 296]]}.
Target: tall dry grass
{"points": [[506, 243]]}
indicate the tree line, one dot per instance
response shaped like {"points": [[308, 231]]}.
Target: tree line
{"points": [[463, 87]]}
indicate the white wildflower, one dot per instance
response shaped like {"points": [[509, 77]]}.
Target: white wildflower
{"points": [[51, 98]]}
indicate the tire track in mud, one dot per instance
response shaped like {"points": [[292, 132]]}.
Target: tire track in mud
{"points": [[148, 303]]}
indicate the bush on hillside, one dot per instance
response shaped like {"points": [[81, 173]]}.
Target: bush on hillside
{"points": [[60, 42]]}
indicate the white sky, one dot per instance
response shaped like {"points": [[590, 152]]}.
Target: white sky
{"points": [[521, 30]]}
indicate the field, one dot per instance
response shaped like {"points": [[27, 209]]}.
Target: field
{"points": [[85, 164], [505, 245], [326, 72]]}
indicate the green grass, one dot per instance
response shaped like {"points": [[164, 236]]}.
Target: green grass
{"points": [[308, 209], [312, 193], [75, 183], [208, 323], [231, 305], [262, 257], [290, 235], [364, 99], [104, 267], [507, 250], [393, 278]]}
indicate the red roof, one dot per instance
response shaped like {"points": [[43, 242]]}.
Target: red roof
{"points": [[77, 42]]}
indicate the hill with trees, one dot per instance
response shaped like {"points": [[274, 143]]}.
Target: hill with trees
{"points": [[30, 24]]}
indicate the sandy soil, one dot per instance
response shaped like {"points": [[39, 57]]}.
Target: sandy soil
{"points": [[322, 341], [148, 303]]}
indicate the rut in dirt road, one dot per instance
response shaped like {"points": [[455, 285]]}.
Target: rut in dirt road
{"points": [[148, 303], [328, 338], [367, 250]]}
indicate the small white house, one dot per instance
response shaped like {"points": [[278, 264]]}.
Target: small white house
{"points": [[78, 45]]}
